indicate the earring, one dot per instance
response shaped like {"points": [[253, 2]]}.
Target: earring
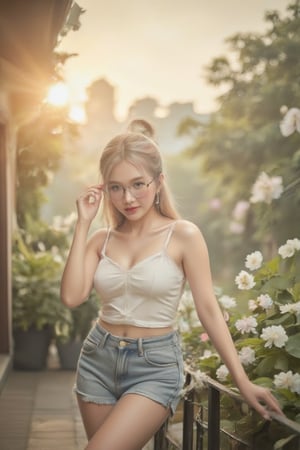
{"points": [[157, 198]]}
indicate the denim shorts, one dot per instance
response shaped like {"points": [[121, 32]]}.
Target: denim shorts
{"points": [[110, 367]]}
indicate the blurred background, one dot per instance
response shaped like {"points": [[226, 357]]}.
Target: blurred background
{"points": [[215, 80]]}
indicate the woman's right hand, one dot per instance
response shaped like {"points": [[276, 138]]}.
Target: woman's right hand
{"points": [[88, 203]]}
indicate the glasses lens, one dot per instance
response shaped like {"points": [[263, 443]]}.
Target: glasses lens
{"points": [[137, 189]]}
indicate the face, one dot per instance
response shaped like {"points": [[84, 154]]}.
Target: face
{"points": [[131, 190]]}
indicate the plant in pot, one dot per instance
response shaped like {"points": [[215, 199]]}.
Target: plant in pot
{"points": [[70, 336], [37, 309]]}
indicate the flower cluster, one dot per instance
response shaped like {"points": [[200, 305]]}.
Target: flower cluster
{"points": [[274, 320], [268, 337]]}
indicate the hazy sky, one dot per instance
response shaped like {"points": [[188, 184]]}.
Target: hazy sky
{"points": [[158, 48]]}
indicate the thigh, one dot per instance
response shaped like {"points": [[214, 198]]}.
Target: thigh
{"points": [[93, 415], [129, 425]]}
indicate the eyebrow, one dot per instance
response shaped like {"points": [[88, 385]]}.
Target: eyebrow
{"points": [[130, 181]]}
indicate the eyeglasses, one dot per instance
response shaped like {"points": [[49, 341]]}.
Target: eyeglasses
{"points": [[137, 189]]}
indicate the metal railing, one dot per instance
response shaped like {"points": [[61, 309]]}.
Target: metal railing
{"points": [[202, 428]]}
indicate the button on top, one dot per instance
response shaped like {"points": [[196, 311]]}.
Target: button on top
{"points": [[123, 343]]}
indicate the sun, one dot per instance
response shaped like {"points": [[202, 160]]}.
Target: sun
{"points": [[58, 94]]}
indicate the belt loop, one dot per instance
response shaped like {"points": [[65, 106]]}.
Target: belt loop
{"points": [[103, 340], [140, 347]]}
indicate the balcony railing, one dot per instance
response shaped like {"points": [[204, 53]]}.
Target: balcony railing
{"points": [[202, 425]]}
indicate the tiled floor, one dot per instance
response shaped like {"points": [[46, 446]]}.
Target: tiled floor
{"points": [[38, 412]]}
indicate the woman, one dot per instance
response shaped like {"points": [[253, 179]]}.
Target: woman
{"points": [[130, 372]]}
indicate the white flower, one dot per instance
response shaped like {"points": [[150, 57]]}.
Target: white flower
{"points": [[289, 248], [252, 305], [246, 325], [295, 242], [274, 335], [290, 122], [227, 302], [288, 380], [286, 250], [199, 379], [265, 301], [283, 380], [244, 280], [222, 372], [266, 188], [240, 209], [293, 308], [247, 356], [254, 260]]}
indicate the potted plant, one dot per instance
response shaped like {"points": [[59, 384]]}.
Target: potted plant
{"points": [[70, 336], [37, 309]]}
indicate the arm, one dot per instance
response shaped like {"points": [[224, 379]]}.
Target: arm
{"points": [[77, 279], [197, 269]]}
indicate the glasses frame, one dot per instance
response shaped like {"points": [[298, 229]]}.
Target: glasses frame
{"points": [[125, 188]]}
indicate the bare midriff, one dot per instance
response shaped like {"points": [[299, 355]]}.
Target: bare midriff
{"points": [[130, 331]]}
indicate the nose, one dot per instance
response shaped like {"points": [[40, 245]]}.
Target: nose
{"points": [[128, 195]]}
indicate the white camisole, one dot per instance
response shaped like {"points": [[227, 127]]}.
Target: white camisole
{"points": [[146, 295]]}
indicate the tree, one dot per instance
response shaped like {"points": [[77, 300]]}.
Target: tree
{"points": [[243, 137]]}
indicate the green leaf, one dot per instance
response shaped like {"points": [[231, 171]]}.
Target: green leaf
{"points": [[293, 345], [278, 282], [248, 342], [266, 366], [297, 266], [296, 290], [264, 381], [282, 363]]}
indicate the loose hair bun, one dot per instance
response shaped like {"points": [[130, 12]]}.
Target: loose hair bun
{"points": [[142, 127]]}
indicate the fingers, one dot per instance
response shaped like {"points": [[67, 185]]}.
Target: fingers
{"points": [[92, 194], [265, 402], [88, 202]]}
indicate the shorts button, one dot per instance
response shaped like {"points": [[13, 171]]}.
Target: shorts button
{"points": [[123, 343]]}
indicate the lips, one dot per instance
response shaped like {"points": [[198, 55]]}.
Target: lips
{"points": [[131, 210]]}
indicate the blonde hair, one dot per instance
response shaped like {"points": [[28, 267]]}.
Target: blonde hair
{"points": [[137, 147]]}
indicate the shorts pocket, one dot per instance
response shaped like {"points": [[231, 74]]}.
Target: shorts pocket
{"points": [[161, 357], [90, 344]]}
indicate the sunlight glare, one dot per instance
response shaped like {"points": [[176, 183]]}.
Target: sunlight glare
{"points": [[58, 94], [77, 114]]}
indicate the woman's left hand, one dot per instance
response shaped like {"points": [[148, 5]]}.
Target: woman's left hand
{"points": [[261, 399]]}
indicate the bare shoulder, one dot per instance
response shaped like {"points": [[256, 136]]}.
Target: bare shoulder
{"points": [[97, 239], [187, 230], [190, 237]]}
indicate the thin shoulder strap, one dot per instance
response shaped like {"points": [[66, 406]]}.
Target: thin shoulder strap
{"points": [[171, 229], [105, 242]]}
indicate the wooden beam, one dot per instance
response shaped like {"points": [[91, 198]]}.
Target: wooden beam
{"points": [[5, 244]]}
